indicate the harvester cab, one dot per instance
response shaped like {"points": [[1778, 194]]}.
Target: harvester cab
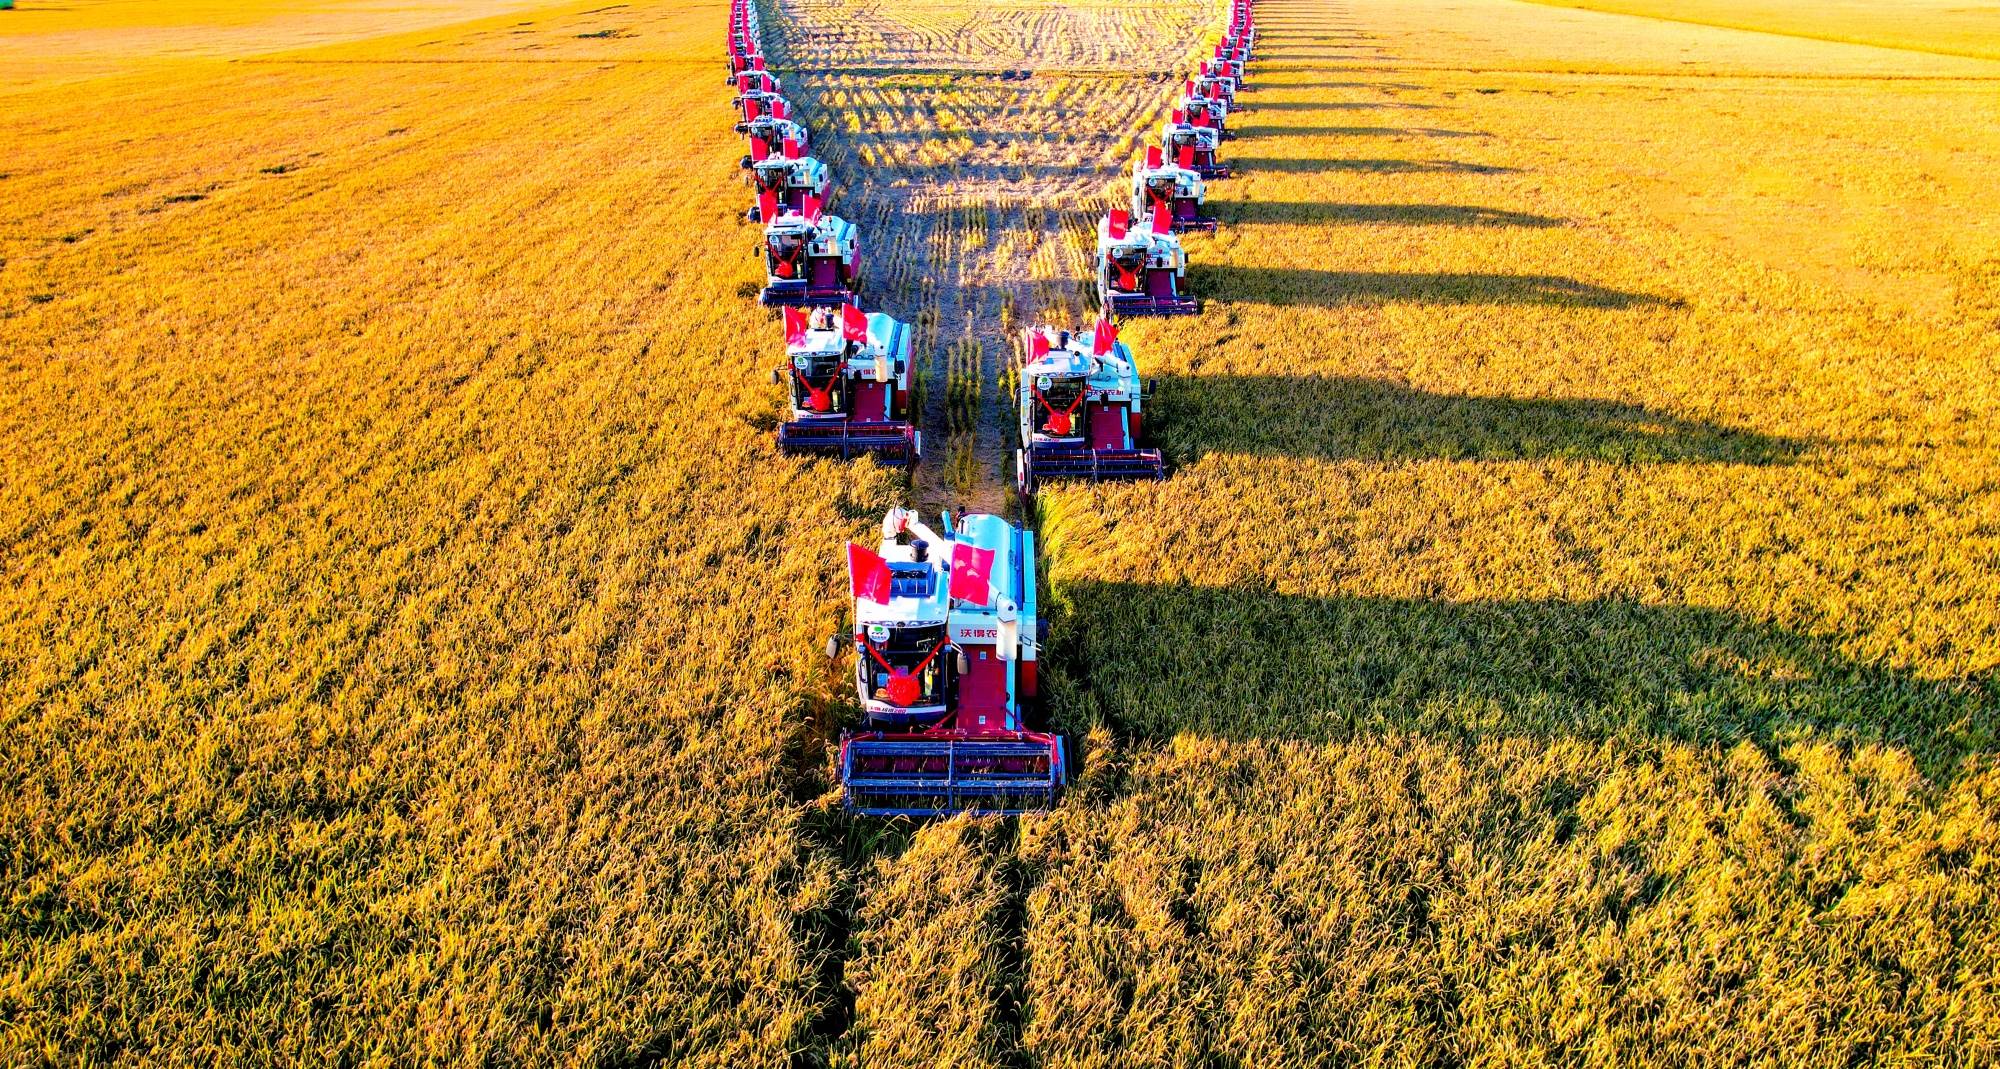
{"points": [[945, 639], [768, 135], [810, 258], [1157, 184], [1204, 110], [1215, 83], [1141, 270], [784, 182], [759, 94], [1080, 403], [849, 379], [1193, 145]]}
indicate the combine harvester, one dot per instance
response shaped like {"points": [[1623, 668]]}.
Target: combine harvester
{"points": [[758, 94], [1194, 145], [1215, 82], [945, 637], [849, 377], [769, 133], [1157, 184], [1080, 403], [784, 182], [1141, 272], [811, 259], [1204, 110]]}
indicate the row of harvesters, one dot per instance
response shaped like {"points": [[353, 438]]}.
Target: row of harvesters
{"points": [[1081, 398], [945, 631], [848, 373]]}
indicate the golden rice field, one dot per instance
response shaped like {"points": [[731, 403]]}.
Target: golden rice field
{"points": [[1570, 634]]}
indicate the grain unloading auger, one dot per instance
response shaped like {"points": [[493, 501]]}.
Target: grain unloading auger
{"points": [[1157, 185], [811, 259], [1141, 270], [1194, 144], [945, 639], [784, 182], [849, 380], [1081, 404]]}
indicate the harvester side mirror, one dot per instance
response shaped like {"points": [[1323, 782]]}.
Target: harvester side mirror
{"points": [[964, 663], [776, 378], [745, 164], [832, 647]]}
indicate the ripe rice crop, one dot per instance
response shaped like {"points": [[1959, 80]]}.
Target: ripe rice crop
{"points": [[1568, 634]]}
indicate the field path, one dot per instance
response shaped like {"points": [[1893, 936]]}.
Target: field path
{"points": [[975, 147]]}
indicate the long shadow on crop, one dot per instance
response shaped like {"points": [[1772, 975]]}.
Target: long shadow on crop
{"points": [[1262, 211], [1302, 286], [1366, 166], [1261, 131], [1369, 419], [1246, 663]]}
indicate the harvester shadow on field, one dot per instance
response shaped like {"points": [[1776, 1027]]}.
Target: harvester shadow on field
{"points": [[1367, 166], [1261, 133], [1369, 419], [1251, 664], [1303, 285], [1234, 212]]}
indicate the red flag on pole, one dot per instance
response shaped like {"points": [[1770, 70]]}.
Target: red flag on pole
{"points": [[1103, 338], [743, 83], [1163, 217], [1188, 87], [1038, 345], [811, 209], [853, 324], [796, 321], [767, 206], [751, 109], [758, 150], [1152, 157], [791, 148], [1179, 117], [1185, 157], [781, 108], [758, 63], [867, 574], [971, 573], [1120, 220]]}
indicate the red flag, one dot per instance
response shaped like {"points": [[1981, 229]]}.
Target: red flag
{"points": [[811, 211], [867, 574], [1163, 217], [767, 206], [758, 63], [853, 324], [1189, 87], [1152, 157], [1179, 117], [1185, 157], [743, 83], [751, 109], [971, 573], [1103, 338], [1038, 345], [796, 321], [791, 148], [758, 150], [1120, 221], [1201, 117]]}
